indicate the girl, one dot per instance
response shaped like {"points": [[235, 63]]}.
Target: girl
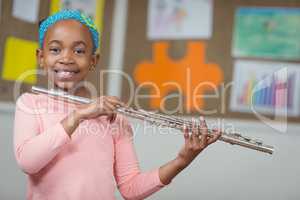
{"points": [[76, 152]]}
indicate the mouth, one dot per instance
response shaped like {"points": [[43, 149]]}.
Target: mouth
{"points": [[66, 74]]}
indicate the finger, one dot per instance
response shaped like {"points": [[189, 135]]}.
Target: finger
{"points": [[204, 132], [186, 135], [203, 125], [214, 136], [186, 132], [104, 99], [195, 127], [114, 117], [109, 107], [115, 100], [195, 133], [109, 118]]}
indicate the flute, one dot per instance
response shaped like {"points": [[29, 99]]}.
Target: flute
{"points": [[163, 120]]}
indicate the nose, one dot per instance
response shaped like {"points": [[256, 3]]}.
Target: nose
{"points": [[66, 58]]}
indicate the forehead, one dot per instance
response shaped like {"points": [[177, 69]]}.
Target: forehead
{"points": [[68, 31]]}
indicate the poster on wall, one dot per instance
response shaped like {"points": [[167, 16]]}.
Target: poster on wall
{"points": [[86, 6], [26, 10], [19, 62], [92, 8], [179, 19], [266, 87], [267, 33]]}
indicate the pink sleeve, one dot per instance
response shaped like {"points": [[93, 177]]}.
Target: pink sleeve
{"points": [[34, 149], [132, 183]]}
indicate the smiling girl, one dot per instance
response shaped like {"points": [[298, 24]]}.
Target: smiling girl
{"points": [[80, 152]]}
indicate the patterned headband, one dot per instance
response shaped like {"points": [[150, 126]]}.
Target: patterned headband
{"points": [[69, 14]]}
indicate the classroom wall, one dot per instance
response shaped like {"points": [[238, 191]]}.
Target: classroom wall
{"points": [[221, 172]]}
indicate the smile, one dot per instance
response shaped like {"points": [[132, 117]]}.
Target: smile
{"points": [[65, 74]]}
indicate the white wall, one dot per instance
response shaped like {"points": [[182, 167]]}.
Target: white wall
{"points": [[12, 180], [230, 172], [221, 172]]}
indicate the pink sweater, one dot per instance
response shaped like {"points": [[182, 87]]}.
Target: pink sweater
{"points": [[97, 158]]}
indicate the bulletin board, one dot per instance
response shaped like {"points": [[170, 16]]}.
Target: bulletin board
{"points": [[215, 52], [19, 38]]}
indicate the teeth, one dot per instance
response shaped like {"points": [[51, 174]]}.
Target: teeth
{"points": [[65, 74], [60, 71]]}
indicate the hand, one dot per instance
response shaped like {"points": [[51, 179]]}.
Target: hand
{"points": [[196, 142], [104, 105]]}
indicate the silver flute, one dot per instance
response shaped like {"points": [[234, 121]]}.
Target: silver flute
{"points": [[162, 120]]}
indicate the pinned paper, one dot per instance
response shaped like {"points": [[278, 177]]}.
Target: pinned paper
{"points": [[267, 32], [172, 19], [266, 87], [162, 70], [19, 60], [92, 8], [54, 6], [26, 10]]}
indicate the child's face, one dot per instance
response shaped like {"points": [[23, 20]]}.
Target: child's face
{"points": [[67, 53]]}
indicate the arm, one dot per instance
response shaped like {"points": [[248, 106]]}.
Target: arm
{"points": [[35, 149], [136, 185], [132, 183], [194, 145], [71, 122]]}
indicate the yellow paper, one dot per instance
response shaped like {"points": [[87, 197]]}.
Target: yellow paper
{"points": [[19, 60], [54, 6], [99, 15]]}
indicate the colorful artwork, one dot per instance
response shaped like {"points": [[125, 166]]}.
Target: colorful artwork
{"points": [[179, 19], [266, 96], [266, 87], [191, 76], [267, 33]]}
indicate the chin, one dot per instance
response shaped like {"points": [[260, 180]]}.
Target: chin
{"points": [[67, 86]]}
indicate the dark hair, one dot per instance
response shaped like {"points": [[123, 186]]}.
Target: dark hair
{"points": [[41, 21]]}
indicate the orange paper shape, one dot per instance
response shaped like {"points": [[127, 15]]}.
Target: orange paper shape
{"points": [[190, 73]]}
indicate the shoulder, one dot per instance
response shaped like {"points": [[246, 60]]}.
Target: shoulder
{"points": [[27, 101]]}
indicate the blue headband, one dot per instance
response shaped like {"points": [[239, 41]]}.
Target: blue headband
{"points": [[69, 14]]}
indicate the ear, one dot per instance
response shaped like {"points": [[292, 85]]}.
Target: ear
{"points": [[95, 59], [40, 57]]}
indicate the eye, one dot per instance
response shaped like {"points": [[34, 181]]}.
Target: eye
{"points": [[54, 50], [79, 51]]}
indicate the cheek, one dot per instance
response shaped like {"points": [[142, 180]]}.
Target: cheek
{"points": [[84, 64], [49, 61]]}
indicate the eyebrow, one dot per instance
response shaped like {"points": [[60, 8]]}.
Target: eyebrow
{"points": [[80, 42], [54, 41], [76, 43]]}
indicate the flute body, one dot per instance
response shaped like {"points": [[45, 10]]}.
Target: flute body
{"points": [[163, 120]]}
